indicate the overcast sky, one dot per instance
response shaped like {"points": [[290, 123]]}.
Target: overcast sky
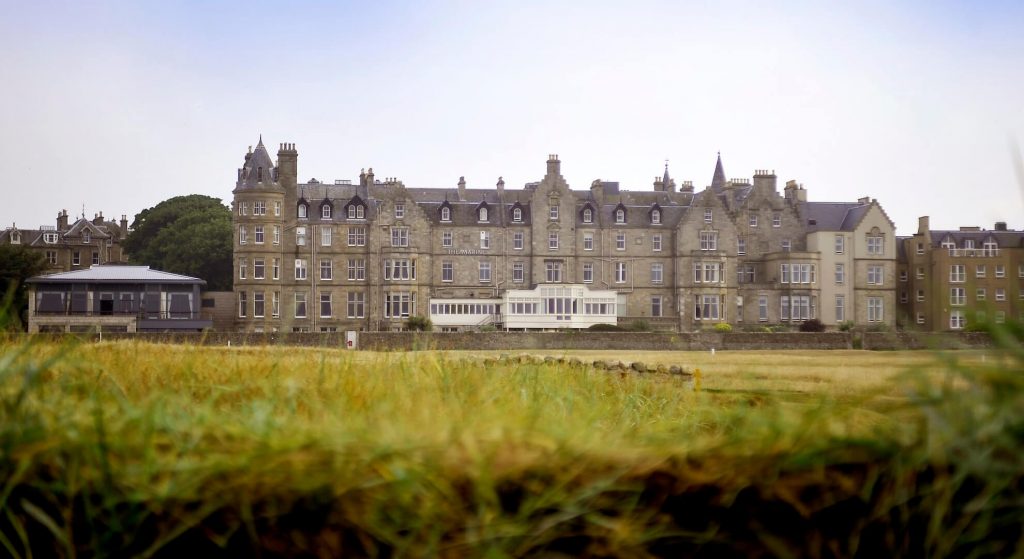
{"points": [[119, 105]]}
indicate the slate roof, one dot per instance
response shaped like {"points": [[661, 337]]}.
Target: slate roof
{"points": [[1005, 239], [833, 216], [115, 274]]}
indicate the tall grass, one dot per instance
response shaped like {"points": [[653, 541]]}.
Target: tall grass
{"points": [[135, 449]]}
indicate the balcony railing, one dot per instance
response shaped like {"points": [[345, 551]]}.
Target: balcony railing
{"points": [[156, 315]]}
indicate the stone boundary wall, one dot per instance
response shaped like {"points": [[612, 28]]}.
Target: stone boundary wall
{"points": [[509, 341]]}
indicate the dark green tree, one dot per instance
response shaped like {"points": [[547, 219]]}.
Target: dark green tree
{"points": [[17, 264], [188, 235]]}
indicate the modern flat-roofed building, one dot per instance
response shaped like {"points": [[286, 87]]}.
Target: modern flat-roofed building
{"points": [[115, 299]]}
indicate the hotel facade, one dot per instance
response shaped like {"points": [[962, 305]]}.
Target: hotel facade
{"points": [[369, 254]]}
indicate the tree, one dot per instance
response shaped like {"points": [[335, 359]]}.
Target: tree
{"points": [[17, 264], [188, 235]]}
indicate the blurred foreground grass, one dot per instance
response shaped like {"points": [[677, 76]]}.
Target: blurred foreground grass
{"points": [[135, 449]]}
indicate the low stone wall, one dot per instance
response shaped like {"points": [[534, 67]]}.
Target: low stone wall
{"points": [[619, 341]]}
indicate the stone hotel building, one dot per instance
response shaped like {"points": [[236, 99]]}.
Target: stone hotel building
{"points": [[369, 254]]}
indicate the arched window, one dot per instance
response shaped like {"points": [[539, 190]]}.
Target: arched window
{"points": [[517, 214], [360, 211], [483, 214], [325, 211], [303, 211], [588, 215], [446, 214], [620, 216], [656, 216]]}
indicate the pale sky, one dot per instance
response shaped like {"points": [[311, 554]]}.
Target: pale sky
{"points": [[120, 105]]}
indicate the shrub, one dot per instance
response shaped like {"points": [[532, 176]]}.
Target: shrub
{"points": [[723, 327], [812, 325], [846, 326], [488, 328], [606, 328], [639, 326], [419, 323]]}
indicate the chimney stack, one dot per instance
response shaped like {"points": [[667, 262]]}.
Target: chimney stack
{"points": [[62, 220], [554, 167], [501, 187], [462, 188], [124, 226], [97, 219], [1000, 226], [923, 225]]}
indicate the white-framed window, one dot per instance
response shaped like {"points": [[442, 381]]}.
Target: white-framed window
{"points": [[1000, 294], [708, 215], [553, 272], [707, 307], [797, 273], [980, 271], [588, 241], [904, 297], [277, 209], [762, 308], [356, 304], [259, 304], [300, 305], [482, 214], [745, 273], [275, 269], [399, 269], [51, 238], [708, 272], [553, 212], [326, 270], [956, 320], [656, 242], [300, 268], [95, 258], [86, 237], [325, 305], [1000, 271], [876, 309], [776, 220], [485, 239], [980, 294], [446, 239], [957, 273], [588, 215], [1020, 270], [920, 318], [300, 236], [840, 274], [920, 248], [243, 268], [787, 245], [517, 272], [620, 216], [656, 216], [840, 308], [275, 304], [957, 296], [447, 271], [656, 306], [552, 241], [903, 275], [243, 208], [399, 304], [399, 236], [303, 211], [517, 240], [259, 268], [875, 245], [51, 257], [990, 248], [277, 234], [485, 272], [840, 244], [243, 234], [657, 272], [620, 241], [796, 307], [919, 273], [709, 240], [356, 211], [875, 275], [325, 235], [243, 304], [741, 245], [620, 272], [517, 215], [258, 234], [752, 220], [356, 269], [399, 211], [446, 214], [588, 272], [325, 211], [920, 295]]}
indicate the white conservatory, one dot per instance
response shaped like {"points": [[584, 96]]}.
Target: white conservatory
{"points": [[542, 308]]}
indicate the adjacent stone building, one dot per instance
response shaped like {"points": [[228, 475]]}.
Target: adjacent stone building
{"points": [[367, 255], [949, 279], [70, 246]]}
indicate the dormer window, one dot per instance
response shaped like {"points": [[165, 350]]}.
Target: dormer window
{"points": [[15, 237], [49, 238], [325, 211], [588, 215], [620, 216], [86, 237], [656, 216], [259, 174], [482, 214], [446, 214], [303, 211], [517, 214], [948, 243], [356, 211]]}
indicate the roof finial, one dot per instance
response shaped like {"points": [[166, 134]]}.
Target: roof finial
{"points": [[259, 145]]}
